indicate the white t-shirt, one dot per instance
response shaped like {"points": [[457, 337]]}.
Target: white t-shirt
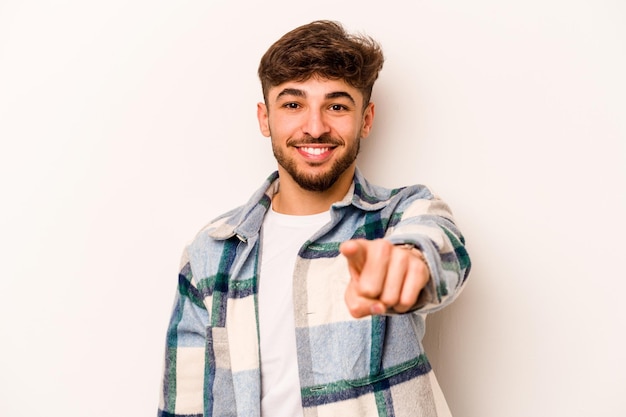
{"points": [[282, 237]]}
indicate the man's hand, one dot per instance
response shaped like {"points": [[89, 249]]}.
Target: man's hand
{"points": [[383, 276]]}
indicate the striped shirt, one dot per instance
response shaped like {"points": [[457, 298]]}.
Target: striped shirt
{"points": [[374, 366]]}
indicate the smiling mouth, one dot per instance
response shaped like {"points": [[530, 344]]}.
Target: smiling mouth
{"points": [[314, 150]]}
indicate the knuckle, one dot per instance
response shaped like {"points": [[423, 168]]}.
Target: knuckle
{"points": [[353, 304], [368, 291], [402, 308], [418, 265], [381, 247], [385, 247], [355, 310], [390, 299]]}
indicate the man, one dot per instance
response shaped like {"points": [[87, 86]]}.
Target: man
{"points": [[310, 299]]}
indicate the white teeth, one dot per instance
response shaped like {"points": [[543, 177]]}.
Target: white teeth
{"points": [[314, 151]]}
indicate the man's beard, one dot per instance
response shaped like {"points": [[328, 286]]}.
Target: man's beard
{"points": [[324, 180]]}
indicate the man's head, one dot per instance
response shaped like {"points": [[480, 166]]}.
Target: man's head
{"points": [[322, 49], [317, 83]]}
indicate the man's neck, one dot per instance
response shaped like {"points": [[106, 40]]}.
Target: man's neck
{"points": [[293, 199]]}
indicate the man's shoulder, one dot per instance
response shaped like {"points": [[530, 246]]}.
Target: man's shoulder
{"points": [[245, 217], [367, 193], [220, 222]]}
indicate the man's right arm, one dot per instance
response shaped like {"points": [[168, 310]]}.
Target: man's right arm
{"points": [[182, 391]]}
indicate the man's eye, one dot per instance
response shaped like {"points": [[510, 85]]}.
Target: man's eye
{"points": [[291, 105], [337, 107]]}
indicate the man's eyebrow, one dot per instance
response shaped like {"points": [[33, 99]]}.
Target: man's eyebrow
{"points": [[337, 94], [291, 92]]}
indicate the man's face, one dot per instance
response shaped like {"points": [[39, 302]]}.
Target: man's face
{"points": [[315, 126]]}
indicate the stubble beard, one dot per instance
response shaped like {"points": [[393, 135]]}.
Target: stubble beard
{"points": [[324, 180]]}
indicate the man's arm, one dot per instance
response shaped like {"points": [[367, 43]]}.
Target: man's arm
{"points": [[390, 277], [182, 392]]}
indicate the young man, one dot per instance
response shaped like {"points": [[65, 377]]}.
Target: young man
{"points": [[310, 299]]}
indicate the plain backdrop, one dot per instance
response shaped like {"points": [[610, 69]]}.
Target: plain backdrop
{"points": [[125, 126]]}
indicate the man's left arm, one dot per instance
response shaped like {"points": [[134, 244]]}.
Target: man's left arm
{"points": [[421, 264]]}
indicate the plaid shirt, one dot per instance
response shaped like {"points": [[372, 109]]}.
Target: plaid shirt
{"points": [[374, 366]]}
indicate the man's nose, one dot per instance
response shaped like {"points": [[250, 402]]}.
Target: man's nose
{"points": [[315, 124]]}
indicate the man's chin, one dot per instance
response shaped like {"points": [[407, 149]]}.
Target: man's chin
{"points": [[315, 185]]}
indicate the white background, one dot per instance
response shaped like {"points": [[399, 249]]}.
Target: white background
{"points": [[125, 126]]}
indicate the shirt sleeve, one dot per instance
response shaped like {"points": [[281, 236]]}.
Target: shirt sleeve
{"points": [[427, 223], [182, 390]]}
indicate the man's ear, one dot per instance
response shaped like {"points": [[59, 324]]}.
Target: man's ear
{"points": [[263, 118], [368, 120]]}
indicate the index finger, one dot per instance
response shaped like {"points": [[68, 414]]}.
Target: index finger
{"points": [[355, 253]]}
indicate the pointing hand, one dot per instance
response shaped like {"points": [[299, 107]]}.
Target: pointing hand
{"points": [[384, 276]]}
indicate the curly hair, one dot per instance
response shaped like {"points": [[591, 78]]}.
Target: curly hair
{"points": [[323, 49]]}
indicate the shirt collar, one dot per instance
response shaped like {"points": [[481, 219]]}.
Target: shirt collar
{"points": [[246, 221]]}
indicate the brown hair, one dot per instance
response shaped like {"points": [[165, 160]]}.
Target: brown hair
{"points": [[322, 48]]}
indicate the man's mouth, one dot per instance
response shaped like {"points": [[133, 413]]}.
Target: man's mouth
{"points": [[314, 151]]}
